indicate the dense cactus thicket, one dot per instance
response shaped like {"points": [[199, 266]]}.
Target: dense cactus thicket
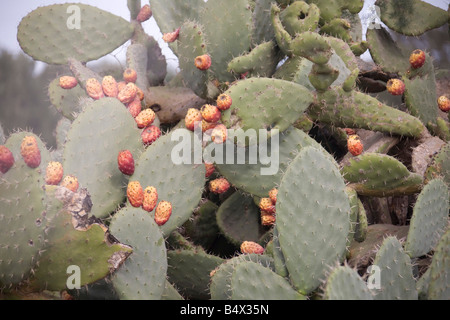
{"points": [[158, 188]]}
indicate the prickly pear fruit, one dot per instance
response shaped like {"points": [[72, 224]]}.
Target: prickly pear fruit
{"points": [[139, 94], [209, 167], [150, 134], [171, 36], [207, 125], [224, 102], [163, 212], [417, 59], [121, 85], [193, 116], [70, 182], [273, 195], [349, 131], [266, 205], [6, 159], [135, 193], [219, 185], [94, 89], [267, 219], [354, 145], [219, 134], [125, 162], [109, 86], [130, 75], [251, 247], [68, 82], [444, 103], [144, 14], [395, 87], [54, 173], [30, 152], [128, 93], [150, 199], [203, 62], [210, 113], [145, 118], [135, 107]]}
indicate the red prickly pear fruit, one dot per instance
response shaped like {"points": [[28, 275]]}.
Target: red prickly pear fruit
{"points": [[54, 173], [219, 134], [267, 219], [150, 199], [128, 93], [417, 59], [273, 193], [68, 82], [121, 85], [30, 152], [109, 86], [210, 113], [135, 107], [193, 118], [150, 135], [6, 159], [94, 89], [135, 194], [444, 103], [144, 14], [395, 87], [171, 36], [70, 182], [163, 212], [224, 102], [349, 131], [125, 162], [209, 167], [130, 75], [203, 62], [354, 145], [266, 204], [219, 185], [145, 118], [251, 247]]}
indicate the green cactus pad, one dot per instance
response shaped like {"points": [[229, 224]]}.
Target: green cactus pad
{"points": [[238, 219], [143, 275], [380, 175], [440, 166], [362, 224], [312, 217], [55, 33], [333, 9], [278, 258], [429, 219], [439, 284], [263, 103], [202, 228], [190, 270], [344, 283], [295, 69], [395, 270], [411, 17], [300, 17], [262, 25], [66, 101], [62, 128], [137, 59], [99, 133], [179, 183], [252, 281]]}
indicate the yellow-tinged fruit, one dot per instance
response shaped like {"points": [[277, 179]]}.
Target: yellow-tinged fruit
{"points": [[128, 93], [130, 75], [224, 102], [54, 173], [267, 205], [150, 199], [163, 212], [30, 152], [219, 185], [395, 87], [70, 182], [251, 247], [135, 194], [94, 89], [273, 195], [444, 103], [203, 62], [68, 82], [417, 58], [355, 145], [267, 219], [210, 113], [193, 117], [145, 118], [207, 125], [109, 86]]}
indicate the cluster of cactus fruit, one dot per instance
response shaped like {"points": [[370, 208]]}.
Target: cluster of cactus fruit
{"points": [[223, 230]]}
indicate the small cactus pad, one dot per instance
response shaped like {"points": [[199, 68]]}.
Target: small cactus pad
{"points": [[439, 283], [344, 283], [55, 33]]}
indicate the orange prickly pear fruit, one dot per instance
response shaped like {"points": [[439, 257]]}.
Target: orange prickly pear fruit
{"points": [[354, 145], [210, 113], [395, 87], [251, 247], [54, 173], [128, 93], [193, 116], [224, 102], [203, 62], [130, 75], [150, 199], [109, 86], [145, 118], [135, 194], [219, 185], [444, 103], [163, 212], [30, 152], [171, 36], [94, 89], [273, 193], [68, 82], [267, 219], [6, 159], [417, 59], [266, 205], [70, 182], [144, 14], [125, 162], [219, 134]]}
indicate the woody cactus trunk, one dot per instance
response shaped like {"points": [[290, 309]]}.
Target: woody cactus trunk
{"points": [[341, 178]]}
